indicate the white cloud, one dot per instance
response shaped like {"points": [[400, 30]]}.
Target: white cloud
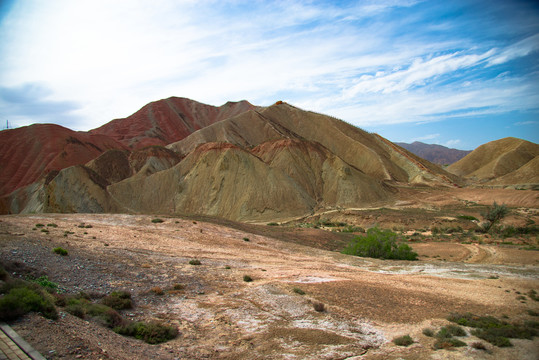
{"points": [[111, 58], [426, 137], [519, 49], [451, 143]]}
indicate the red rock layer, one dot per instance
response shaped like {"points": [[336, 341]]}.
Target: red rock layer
{"points": [[166, 121], [31, 152]]}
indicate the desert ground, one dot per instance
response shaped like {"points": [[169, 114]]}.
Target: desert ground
{"points": [[367, 302]]}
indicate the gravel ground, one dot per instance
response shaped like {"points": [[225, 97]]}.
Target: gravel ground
{"points": [[367, 302]]}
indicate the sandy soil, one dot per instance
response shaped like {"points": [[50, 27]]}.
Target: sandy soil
{"points": [[368, 302]]}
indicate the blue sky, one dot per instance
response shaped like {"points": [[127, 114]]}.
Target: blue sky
{"points": [[457, 73]]}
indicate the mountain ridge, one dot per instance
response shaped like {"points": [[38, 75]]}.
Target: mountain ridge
{"points": [[434, 153]]}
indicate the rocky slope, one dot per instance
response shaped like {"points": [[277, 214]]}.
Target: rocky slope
{"points": [[508, 161], [434, 153]]}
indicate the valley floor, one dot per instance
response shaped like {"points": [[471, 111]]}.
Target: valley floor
{"points": [[367, 302]]}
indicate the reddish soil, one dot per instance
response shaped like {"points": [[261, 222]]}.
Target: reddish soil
{"points": [[31, 152], [166, 121]]}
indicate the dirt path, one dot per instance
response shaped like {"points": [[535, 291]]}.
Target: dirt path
{"points": [[367, 301]]}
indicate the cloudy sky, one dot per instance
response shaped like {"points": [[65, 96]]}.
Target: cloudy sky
{"points": [[457, 73]]}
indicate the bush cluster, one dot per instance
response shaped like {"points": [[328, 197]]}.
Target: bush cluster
{"points": [[152, 332], [404, 340], [21, 297], [381, 244], [493, 330]]}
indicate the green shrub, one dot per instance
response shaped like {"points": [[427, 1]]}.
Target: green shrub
{"points": [[493, 330], [118, 300], [273, 224], [76, 309], [157, 221], [52, 225], [246, 239], [60, 251], [104, 315], [46, 283], [247, 278], [428, 332], [152, 333], [496, 340], [380, 244], [492, 215], [195, 262], [468, 217], [298, 291], [471, 320], [404, 340], [22, 300], [40, 225], [449, 331]]}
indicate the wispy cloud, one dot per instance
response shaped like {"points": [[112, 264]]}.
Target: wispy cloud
{"points": [[368, 62], [426, 137], [451, 143], [32, 101]]}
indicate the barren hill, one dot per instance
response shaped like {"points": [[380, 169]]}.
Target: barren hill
{"points": [[437, 154], [31, 152], [165, 121], [277, 163], [274, 163], [506, 161]]}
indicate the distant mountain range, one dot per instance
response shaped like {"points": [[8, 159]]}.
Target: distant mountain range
{"points": [[437, 154]]}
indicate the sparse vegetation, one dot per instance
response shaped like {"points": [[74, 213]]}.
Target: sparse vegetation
{"points": [[468, 217], [118, 300], [493, 215], [319, 306], [298, 291], [152, 332], [157, 290], [246, 239], [44, 281], [273, 224], [405, 340], [21, 297], [449, 331], [494, 331], [179, 287], [428, 332], [157, 220], [448, 343], [247, 278], [195, 262], [60, 251], [380, 244]]}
